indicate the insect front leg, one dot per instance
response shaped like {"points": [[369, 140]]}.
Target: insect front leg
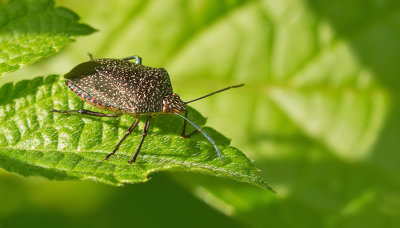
{"points": [[85, 112], [144, 134], [128, 132], [183, 134]]}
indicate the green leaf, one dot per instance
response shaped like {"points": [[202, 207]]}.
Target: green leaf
{"points": [[34, 141], [33, 30]]}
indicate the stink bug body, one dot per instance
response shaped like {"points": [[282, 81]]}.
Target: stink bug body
{"points": [[124, 87]]}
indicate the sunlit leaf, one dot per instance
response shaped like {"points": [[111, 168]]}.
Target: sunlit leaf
{"points": [[34, 141]]}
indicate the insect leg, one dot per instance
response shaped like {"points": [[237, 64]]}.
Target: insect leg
{"points": [[85, 112], [184, 135], [144, 133], [90, 56], [137, 58], [128, 132]]}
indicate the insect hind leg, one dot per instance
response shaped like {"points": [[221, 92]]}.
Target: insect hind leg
{"points": [[144, 134], [135, 57], [128, 132], [85, 112]]}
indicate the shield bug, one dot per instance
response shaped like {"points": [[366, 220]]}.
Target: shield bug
{"points": [[124, 87]]}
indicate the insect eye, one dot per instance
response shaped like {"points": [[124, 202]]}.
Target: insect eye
{"points": [[166, 107], [176, 95]]}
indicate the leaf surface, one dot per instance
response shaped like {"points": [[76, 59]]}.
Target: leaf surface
{"points": [[71, 146]]}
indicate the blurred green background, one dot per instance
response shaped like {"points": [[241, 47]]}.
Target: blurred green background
{"points": [[319, 114]]}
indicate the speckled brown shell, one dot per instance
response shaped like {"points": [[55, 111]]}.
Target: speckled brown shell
{"points": [[120, 85]]}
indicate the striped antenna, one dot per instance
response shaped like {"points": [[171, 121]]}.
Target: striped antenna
{"points": [[208, 137], [218, 91]]}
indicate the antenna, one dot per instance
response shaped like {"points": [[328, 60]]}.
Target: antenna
{"points": [[208, 137], [218, 91]]}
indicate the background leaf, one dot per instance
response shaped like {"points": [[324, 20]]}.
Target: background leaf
{"points": [[33, 30]]}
